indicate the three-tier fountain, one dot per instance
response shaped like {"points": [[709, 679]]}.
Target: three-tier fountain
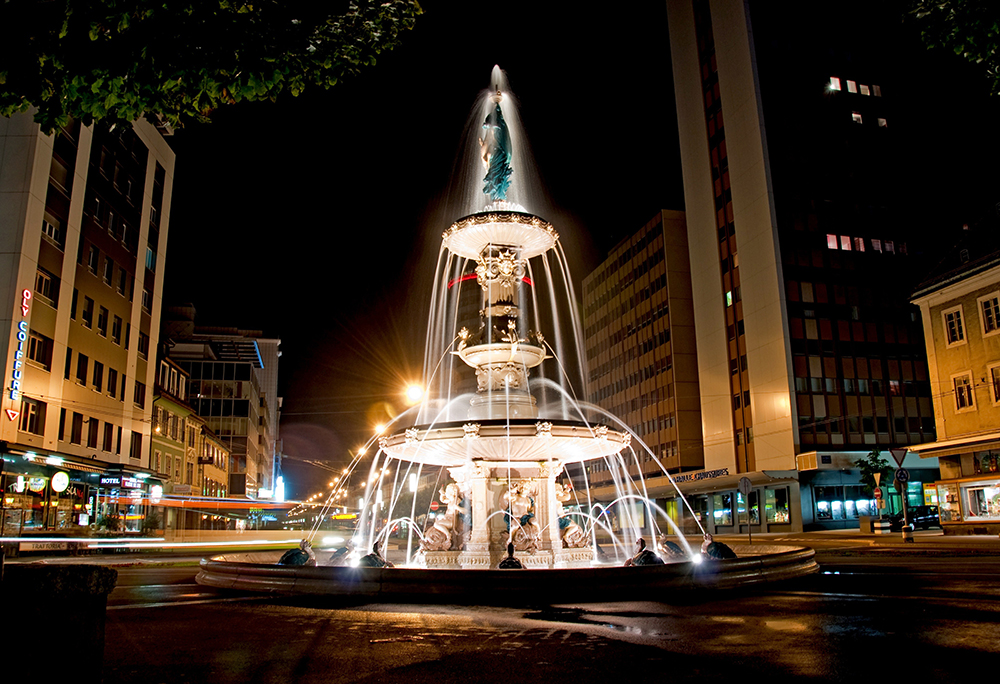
{"points": [[502, 461]]}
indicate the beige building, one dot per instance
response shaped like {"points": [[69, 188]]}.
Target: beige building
{"points": [[961, 315], [83, 227], [641, 355]]}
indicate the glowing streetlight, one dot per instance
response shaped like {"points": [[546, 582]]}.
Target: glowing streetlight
{"points": [[414, 393]]}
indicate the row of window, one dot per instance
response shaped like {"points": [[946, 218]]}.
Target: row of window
{"points": [[83, 430], [964, 387], [853, 87], [99, 382], [988, 307], [847, 243], [86, 313], [858, 119]]}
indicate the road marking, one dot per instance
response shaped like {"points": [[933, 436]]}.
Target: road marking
{"points": [[164, 604]]}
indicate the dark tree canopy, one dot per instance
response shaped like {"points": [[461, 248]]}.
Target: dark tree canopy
{"points": [[118, 60], [969, 28]]}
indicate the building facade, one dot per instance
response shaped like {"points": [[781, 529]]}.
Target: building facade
{"points": [[809, 356], [82, 234], [961, 314], [190, 460], [234, 389]]}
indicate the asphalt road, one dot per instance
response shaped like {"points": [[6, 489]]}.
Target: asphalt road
{"points": [[925, 614]]}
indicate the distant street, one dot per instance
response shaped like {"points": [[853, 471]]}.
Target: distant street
{"points": [[903, 612]]}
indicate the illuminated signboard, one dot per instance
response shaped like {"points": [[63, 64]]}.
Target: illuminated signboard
{"points": [[22, 338], [60, 481], [120, 481]]}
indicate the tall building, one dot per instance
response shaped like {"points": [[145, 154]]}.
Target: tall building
{"points": [[809, 355], [641, 354], [960, 307], [234, 388], [83, 226]]}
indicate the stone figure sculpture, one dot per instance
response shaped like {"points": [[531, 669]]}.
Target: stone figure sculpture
{"points": [[643, 556], [446, 534], [573, 536], [521, 517]]}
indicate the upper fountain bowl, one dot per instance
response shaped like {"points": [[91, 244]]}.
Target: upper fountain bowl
{"points": [[531, 235]]}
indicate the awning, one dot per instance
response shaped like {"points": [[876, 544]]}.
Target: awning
{"points": [[960, 445], [698, 482]]}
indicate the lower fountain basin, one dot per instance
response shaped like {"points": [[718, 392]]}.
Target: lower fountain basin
{"points": [[755, 565], [523, 440]]}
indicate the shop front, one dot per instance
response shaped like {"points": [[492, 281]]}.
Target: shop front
{"points": [[123, 502], [771, 504], [970, 506], [45, 496]]}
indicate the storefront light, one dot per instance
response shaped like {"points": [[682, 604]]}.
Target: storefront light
{"points": [[60, 481]]}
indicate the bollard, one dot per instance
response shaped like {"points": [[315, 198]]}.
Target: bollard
{"points": [[908, 533]]}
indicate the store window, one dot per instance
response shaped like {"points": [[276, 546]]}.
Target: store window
{"points": [[776, 505], [829, 503], [722, 509], [981, 500], [744, 510], [948, 503]]}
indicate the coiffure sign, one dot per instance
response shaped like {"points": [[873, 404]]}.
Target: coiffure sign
{"points": [[22, 340]]}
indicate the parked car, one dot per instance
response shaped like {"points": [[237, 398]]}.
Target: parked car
{"points": [[921, 518]]}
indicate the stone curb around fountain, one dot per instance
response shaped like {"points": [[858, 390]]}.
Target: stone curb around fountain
{"points": [[257, 572]]}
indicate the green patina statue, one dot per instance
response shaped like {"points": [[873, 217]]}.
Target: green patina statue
{"points": [[495, 145]]}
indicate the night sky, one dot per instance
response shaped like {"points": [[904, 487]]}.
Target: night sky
{"points": [[318, 219]]}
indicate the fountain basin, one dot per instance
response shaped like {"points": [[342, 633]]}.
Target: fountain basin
{"points": [[524, 355], [755, 565], [521, 440], [530, 235]]}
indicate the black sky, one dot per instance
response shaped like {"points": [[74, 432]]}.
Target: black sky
{"points": [[318, 219]]}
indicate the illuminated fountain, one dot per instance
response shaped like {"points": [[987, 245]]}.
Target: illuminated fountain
{"points": [[504, 461]]}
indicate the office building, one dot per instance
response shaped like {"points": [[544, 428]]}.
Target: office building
{"points": [[233, 387], [809, 356]]}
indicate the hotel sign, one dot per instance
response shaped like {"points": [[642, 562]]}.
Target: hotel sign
{"points": [[120, 481]]}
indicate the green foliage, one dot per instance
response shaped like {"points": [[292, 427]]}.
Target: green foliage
{"points": [[871, 464], [111, 522], [176, 62], [969, 28], [151, 523]]}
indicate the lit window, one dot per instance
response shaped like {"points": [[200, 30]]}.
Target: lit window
{"points": [[865, 90], [876, 91], [845, 243], [882, 123], [954, 328], [989, 307], [877, 245], [889, 248], [859, 244], [965, 399], [831, 241], [52, 229], [856, 117], [852, 87], [834, 83], [729, 298]]}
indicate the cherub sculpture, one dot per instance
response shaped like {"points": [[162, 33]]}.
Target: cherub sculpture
{"points": [[446, 532]]}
